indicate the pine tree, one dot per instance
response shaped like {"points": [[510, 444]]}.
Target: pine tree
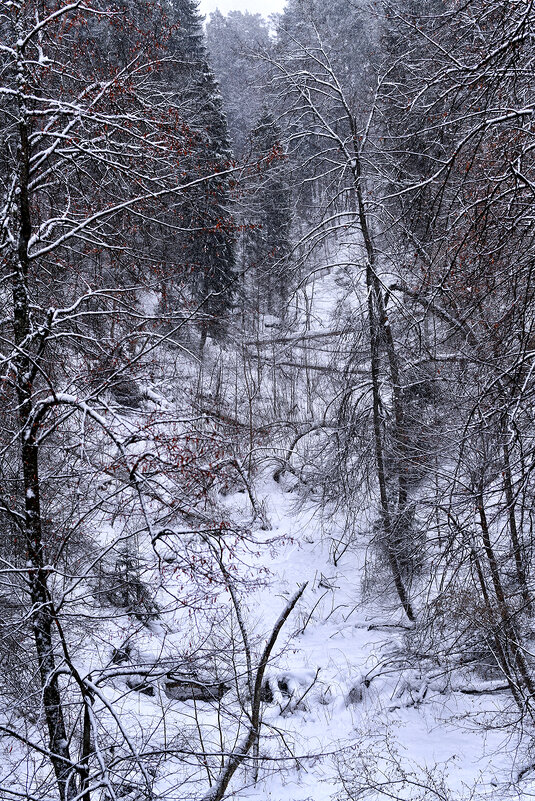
{"points": [[405, 49]]}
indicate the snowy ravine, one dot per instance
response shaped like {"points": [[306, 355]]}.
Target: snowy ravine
{"points": [[369, 723]]}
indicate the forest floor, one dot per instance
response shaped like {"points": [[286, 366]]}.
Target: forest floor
{"points": [[370, 725]]}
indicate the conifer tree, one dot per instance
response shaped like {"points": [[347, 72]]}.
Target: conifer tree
{"points": [[234, 42], [267, 239], [205, 248]]}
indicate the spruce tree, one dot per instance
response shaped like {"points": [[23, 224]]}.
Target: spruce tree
{"points": [[267, 237], [205, 247], [233, 40]]}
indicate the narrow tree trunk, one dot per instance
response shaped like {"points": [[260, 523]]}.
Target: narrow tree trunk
{"points": [[86, 750], [41, 613], [380, 332], [513, 530], [42, 620], [510, 632], [500, 648], [381, 472], [241, 750]]}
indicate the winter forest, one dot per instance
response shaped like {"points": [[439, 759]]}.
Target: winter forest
{"points": [[267, 391]]}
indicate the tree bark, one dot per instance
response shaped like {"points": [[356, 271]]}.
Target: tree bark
{"points": [[521, 572], [380, 331], [41, 611], [510, 633]]}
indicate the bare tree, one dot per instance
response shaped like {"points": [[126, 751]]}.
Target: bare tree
{"points": [[92, 187], [325, 106], [463, 197]]}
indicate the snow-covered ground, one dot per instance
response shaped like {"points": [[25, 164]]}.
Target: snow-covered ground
{"points": [[349, 715], [351, 709]]}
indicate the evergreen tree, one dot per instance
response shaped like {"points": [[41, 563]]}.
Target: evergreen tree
{"points": [[267, 237], [232, 43], [408, 55], [205, 246]]}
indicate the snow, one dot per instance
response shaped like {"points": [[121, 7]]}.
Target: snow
{"points": [[346, 702], [361, 705], [348, 708]]}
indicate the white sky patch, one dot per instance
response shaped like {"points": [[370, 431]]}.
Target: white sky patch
{"points": [[264, 7]]}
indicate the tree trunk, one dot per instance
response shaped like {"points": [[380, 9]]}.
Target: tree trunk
{"points": [[380, 331], [513, 530], [510, 633], [41, 613]]}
